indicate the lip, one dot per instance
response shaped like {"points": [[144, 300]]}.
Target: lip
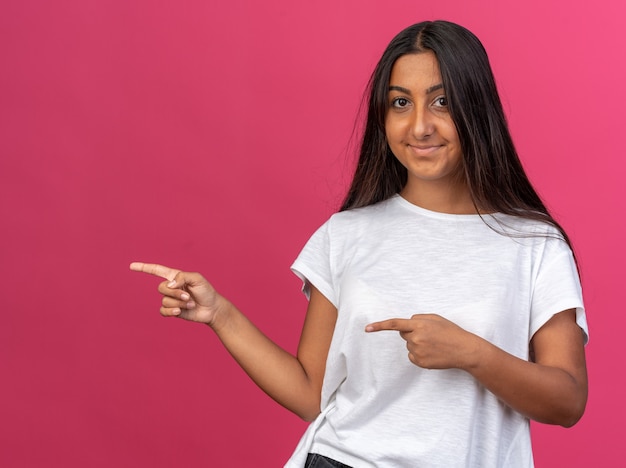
{"points": [[423, 150]]}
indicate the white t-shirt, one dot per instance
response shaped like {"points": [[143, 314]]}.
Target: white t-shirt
{"points": [[395, 259]]}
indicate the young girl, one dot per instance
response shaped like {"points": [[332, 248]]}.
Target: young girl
{"points": [[442, 248]]}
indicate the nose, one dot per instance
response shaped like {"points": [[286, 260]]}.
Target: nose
{"points": [[422, 123]]}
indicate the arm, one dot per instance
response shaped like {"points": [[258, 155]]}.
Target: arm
{"points": [[552, 389], [295, 382]]}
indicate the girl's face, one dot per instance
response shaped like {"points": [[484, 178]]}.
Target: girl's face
{"points": [[420, 131]]}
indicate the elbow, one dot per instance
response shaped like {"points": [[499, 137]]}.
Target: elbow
{"points": [[309, 416], [577, 408], [571, 413], [570, 422], [306, 403], [307, 409], [572, 405], [564, 410], [565, 417], [574, 415]]}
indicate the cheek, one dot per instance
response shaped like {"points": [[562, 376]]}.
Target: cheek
{"points": [[452, 134], [393, 131]]}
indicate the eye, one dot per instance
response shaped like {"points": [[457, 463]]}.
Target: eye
{"points": [[441, 101], [400, 102]]}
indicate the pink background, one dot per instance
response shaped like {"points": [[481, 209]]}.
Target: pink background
{"points": [[214, 136]]}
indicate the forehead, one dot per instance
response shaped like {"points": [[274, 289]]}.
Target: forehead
{"points": [[416, 71]]}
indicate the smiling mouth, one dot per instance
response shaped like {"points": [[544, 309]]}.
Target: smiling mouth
{"points": [[424, 150]]}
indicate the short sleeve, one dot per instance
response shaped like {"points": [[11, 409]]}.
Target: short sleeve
{"points": [[313, 264], [557, 287]]}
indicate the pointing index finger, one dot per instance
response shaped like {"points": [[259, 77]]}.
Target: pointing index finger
{"points": [[395, 324], [155, 269]]}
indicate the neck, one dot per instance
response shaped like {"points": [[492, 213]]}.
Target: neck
{"points": [[442, 197]]}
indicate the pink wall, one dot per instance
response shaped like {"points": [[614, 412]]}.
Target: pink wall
{"points": [[212, 136]]}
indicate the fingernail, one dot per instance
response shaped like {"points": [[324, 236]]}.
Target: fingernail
{"points": [[191, 305], [176, 312], [369, 328], [184, 296], [171, 284]]}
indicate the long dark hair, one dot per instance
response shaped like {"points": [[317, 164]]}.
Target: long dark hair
{"points": [[493, 172]]}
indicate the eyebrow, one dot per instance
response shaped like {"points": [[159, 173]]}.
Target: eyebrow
{"points": [[408, 91]]}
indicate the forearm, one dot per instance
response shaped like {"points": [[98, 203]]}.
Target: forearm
{"points": [[543, 393], [277, 372]]}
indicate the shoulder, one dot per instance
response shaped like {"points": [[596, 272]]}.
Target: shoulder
{"points": [[364, 217], [542, 243], [346, 228], [517, 226]]}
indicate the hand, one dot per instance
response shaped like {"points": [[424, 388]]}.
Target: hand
{"points": [[185, 295], [433, 341]]}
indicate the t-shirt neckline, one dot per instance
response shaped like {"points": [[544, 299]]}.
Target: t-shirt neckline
{"points": [[400, 200]]}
